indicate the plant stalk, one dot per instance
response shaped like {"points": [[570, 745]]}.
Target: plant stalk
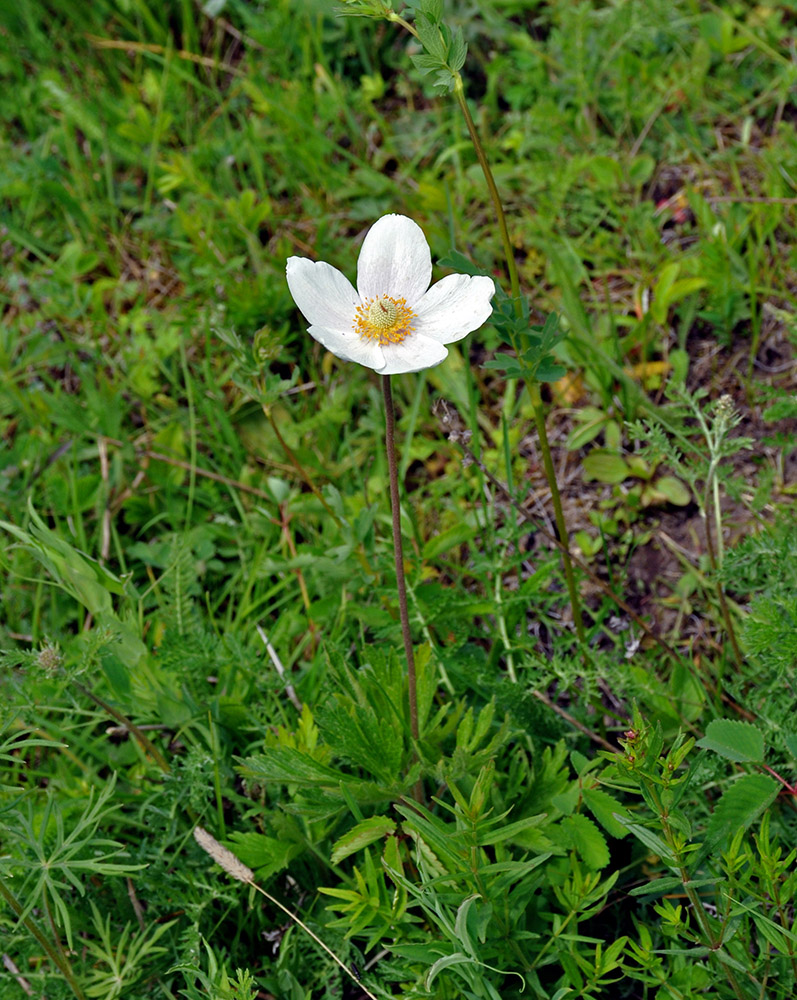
{"points": [[146, 743], [725, 610], [532, 386], [398, 552]]}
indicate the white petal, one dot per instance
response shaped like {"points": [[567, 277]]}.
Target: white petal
{"points": [[412, 355], [454, 307], [325, 297], [394, 260], [349, 346]]}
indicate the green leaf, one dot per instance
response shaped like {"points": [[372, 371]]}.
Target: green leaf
{"points": [[603, 807], [367, 832], [658, 886], [266, 855], [651, 840], [739, 806], [290, 765], [549, 371], [431, 39], [432, 9], [590, 421], [507, 364], [445, 963], [425, 63], [511, 830], [585, 837], [448, 539], [84, 579], [458, 52], [605, 466], [735, 740], [459, 262], [791, 743], [673, 490]]}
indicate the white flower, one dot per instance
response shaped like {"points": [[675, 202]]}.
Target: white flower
{"points": [[393, 322]]}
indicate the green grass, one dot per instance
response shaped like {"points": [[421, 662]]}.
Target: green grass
{"points": [[201, 470]]}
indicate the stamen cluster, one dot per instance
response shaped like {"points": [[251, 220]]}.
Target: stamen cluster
{"points": [[385, 319]]}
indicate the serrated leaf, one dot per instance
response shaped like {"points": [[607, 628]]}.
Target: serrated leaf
{"points": [[739, 806], [290, 765], [790, 740], [430, 37], [425, 63], [507, 364], [361, 835], [266, 855], [585, 837], [444, 81], [458, 51], [603, 807], [432, 9], [735, 740]]}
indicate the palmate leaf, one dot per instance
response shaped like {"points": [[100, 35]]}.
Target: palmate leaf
{"points": [[57, 853], [357, 734]]}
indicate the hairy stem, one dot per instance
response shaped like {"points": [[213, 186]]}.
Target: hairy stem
{"points": [[714, 563]]}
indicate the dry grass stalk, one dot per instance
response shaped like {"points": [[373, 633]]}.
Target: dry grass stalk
{"points": [[228, 861]]}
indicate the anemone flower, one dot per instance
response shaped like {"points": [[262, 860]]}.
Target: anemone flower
{"points": [[393, 322]]}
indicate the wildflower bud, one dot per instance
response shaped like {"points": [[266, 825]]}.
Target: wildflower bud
{"points": [[49, 659]]}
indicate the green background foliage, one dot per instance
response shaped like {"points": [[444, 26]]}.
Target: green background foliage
{"points": [[199, 618]]}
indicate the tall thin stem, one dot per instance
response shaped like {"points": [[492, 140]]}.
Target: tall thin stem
{"points": [[398, 552], [532, 386], [509, 254], [715, 567], [145, 742]]}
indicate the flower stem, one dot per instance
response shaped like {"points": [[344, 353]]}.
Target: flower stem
{"points": [[532, 386], [556, 499], [398, 552], [715, 567], [144, 741]]}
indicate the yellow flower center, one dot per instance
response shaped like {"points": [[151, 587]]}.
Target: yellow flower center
{"points": [[384, 319]]}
